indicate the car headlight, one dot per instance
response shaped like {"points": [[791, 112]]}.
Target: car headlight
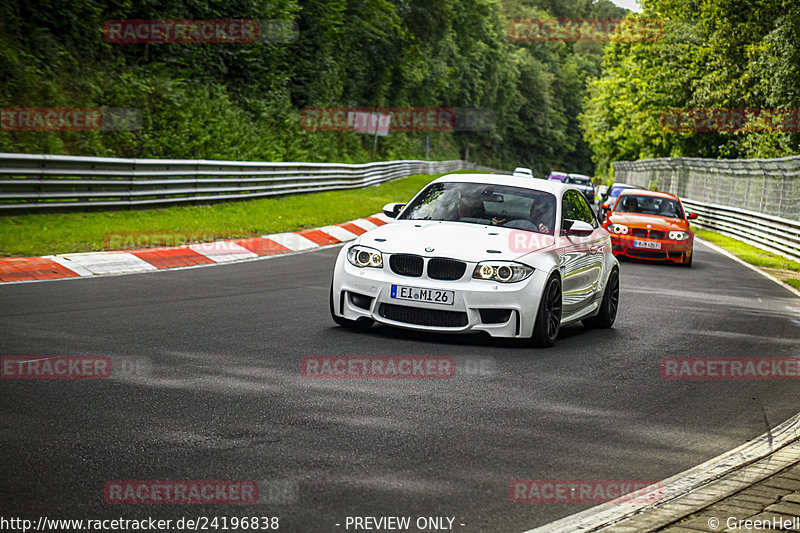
{"points": [[619, 228], [678, 235], [361, 256], [502, 271]]}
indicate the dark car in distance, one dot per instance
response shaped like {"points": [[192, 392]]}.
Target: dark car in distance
{"points": [[610, 198], [581, 181]]}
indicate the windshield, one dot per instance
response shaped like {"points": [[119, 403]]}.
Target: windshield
{"points": [[487, 204], [649, 205], [585, 182]]}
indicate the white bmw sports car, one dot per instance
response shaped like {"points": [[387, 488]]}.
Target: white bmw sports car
{"points": [[510, 256]]}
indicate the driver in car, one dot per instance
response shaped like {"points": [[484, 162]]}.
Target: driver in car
{"points": [[667, 209], [472, 207], [542, 216], [631, 205]]}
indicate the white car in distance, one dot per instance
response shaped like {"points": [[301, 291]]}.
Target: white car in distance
{"points": [[523, 172], [505, 255]]}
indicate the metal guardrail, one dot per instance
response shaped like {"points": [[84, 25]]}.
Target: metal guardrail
{"points": [[32, 182], [777, 235], [754, 200], [768, 186]]}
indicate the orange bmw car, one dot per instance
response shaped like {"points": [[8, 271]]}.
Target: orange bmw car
{"points": [[650, 225]]}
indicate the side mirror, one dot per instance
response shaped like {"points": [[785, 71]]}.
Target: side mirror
{"points": [[606, 207], [692, 216], [577, 228], [393, 209]]}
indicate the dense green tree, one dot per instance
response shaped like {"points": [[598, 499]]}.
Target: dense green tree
{"points": [[713, 55], [244, 100]]}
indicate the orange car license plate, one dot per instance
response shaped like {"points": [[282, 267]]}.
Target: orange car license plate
{"points": [[652, 245]]}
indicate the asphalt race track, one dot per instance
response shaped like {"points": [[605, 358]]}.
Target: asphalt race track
{"points": [[216, 394]]}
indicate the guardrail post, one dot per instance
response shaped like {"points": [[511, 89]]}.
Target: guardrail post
{"points": [[39, 186], [129, 203]]}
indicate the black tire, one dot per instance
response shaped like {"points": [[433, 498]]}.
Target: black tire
{"points": [[361, 324], [609, 306], [548, 317]]}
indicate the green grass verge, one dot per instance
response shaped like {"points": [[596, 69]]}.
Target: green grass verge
{"points": [[754, 256], [43, 234]]}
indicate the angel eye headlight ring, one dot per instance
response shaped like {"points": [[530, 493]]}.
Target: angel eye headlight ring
{"points": [[502, 271], [363, 256]]}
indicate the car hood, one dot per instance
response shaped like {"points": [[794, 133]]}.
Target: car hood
{"points": [[456, 240], [638, 220]]}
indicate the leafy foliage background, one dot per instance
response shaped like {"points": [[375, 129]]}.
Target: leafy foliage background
{"points": [[243, 101], [720, 54]]}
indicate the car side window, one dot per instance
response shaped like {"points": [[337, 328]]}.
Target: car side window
{"points": [[574, 207], [568, 208], [585, 212]]}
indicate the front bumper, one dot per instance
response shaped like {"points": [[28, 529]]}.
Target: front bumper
{"points": [[669, 250], [502, 310]]}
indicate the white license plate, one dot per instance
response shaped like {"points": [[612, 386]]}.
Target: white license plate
{"points": [[647, 244], [416, 294]]}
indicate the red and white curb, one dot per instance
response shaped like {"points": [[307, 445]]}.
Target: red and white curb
{"points": [[88, 264]]}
